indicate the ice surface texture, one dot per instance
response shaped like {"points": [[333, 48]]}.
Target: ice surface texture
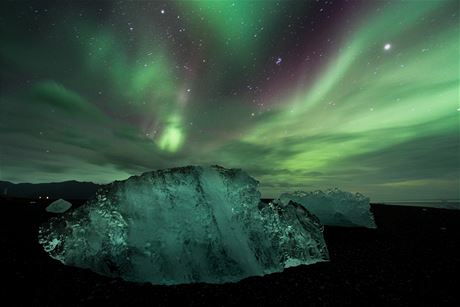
{"points": [[335, 207], [58, 206], [184, 225]]}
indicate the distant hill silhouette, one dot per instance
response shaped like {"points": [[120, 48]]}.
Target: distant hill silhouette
{"points": [[67, 190]]}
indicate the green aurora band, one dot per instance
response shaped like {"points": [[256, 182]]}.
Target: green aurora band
{"points": [[101, 99]]}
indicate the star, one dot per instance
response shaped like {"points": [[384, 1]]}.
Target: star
{"points": [[387, 46], [278, 61], [162, 11]]}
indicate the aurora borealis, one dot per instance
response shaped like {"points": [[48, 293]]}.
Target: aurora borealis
{"points": [[362, 95]]}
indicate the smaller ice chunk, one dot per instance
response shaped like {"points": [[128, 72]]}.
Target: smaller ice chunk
{"points": [[59, 206], [334, 207]]}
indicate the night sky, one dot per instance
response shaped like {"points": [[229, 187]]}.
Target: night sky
{"points": [[360, 95]]}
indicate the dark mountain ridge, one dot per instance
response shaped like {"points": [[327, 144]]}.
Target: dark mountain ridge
{"points": [[67, 189]]}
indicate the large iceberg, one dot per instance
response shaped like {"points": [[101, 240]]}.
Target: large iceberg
{"points": [[184, 225], [335, 207]]}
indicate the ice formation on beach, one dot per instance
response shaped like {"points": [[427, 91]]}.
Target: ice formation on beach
{"points": [[184, 225], [59, 206], [335, 207]]}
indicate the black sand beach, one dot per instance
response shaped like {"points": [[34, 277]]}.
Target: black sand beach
{"points": [[412, 259]]}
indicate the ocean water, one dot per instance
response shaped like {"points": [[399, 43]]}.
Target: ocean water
{"points": [[442, 204]]}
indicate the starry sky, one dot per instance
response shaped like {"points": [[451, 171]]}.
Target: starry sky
{"points": [[360, 95]]}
